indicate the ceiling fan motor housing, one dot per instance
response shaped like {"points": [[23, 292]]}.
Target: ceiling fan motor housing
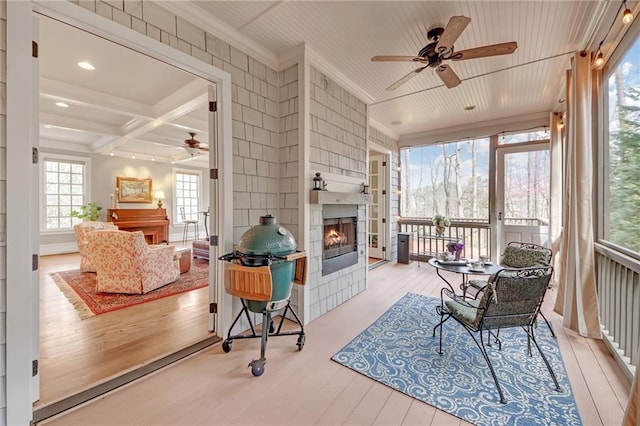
{"points": [[429, 52]]}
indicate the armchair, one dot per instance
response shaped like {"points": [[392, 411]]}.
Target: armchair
{"points": [[80, 231], [126, 264], [519, 255], [512, 299]]}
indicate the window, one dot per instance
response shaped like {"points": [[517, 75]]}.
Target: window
{"points": [[450, 179], [187, 194], [65, 188], [621, 219]]}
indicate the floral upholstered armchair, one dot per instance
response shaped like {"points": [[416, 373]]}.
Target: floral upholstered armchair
{"points": [[80, 231], [125, 263]]}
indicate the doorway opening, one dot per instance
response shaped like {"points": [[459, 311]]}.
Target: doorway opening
{"points": [[109, 350]]}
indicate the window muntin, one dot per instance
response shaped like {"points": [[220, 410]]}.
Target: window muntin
{"points": [[622, 204], [187, 195], [450, 179], [64, 189]]}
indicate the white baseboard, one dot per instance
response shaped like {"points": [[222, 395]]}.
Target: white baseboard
{"points": [[60, 248]]}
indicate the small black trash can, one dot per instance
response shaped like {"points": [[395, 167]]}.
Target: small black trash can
{"points": [[404, 242]]}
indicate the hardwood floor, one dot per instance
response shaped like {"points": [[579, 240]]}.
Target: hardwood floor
{"points": [[76, 354], [306, 387]]}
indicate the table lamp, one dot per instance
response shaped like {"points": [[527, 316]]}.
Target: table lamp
{"points": [[160, 197]]}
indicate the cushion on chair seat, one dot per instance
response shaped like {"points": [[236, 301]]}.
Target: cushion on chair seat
{"points": [[478, 284], [518, 257], [468, 315]]}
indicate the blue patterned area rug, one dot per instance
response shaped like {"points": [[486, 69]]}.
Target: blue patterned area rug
{"points": [[399, 351]]}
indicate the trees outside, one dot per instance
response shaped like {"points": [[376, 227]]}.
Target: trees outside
{"points": [[624, 157], [453, 179], [450, 179]]}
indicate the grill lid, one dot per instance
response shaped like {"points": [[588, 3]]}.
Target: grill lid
{"points": [[267, 238]]}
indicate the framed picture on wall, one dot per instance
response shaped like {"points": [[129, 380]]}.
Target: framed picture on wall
{"points": [[133, 190]]}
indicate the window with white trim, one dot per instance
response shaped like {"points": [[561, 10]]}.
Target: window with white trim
{"points": [[187, 194], [64, 188], [622, 152]]}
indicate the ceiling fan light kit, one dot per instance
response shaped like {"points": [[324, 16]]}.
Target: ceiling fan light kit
{"points": [[441, 49]]}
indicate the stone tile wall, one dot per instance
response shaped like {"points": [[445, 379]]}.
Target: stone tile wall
{"points": [[289, 159], [338, 129], [338, 146]]}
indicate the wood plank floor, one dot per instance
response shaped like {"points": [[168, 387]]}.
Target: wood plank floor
{"points": [[76, 354], [306, 387]]}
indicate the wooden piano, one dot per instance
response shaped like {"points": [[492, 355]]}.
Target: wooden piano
{"points": [[154, 223]]}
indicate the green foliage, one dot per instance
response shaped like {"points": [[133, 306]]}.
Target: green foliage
{"points": [[90, 211], [624, 175]]}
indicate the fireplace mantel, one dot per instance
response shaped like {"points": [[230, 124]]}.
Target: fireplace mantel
{"points": [[330, 197]]}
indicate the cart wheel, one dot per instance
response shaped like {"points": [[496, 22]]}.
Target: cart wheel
{"points": [[257, 367], [300, 342], [226, 346]]}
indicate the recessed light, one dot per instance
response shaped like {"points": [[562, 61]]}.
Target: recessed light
{"points": [[470, 107], [62, 105], [47, 126], [396, 122], [86, 66]]}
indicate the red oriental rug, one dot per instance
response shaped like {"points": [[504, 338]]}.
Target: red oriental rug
{"points": [[80, 289]]}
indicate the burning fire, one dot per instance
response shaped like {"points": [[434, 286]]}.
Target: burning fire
{"points": [[334, 238]]}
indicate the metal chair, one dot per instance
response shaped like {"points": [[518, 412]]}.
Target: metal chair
{"points": [[513, 299], [187, 222], [519, 255]]}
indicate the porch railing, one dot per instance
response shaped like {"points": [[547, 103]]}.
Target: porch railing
{"points": [[618, 278], [425, 243]]}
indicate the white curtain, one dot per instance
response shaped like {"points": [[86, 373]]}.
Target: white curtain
{"points": [[577, 299], [556, 195]]}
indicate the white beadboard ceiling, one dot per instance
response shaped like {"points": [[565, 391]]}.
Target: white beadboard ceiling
{"points": [[112, 107], [347, 34]]}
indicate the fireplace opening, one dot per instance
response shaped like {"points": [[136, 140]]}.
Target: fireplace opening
{"points": [[339, 237]]}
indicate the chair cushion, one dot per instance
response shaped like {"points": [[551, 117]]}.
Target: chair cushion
{"points": [[469, 315], [516, 257]]}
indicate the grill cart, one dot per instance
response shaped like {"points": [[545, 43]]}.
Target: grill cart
{"points": [[261, 272]]}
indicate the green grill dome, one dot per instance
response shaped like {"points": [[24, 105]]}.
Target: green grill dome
{"points": [[267, 238]]}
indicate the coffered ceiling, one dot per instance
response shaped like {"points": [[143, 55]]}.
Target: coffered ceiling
{"points": [[130, 105], [118, 106]]}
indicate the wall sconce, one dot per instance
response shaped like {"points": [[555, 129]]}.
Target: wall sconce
{"points": [[318, 183], [160, 196]]}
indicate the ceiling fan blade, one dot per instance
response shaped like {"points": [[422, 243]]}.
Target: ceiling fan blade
{"points": [[484, 51], [455, 27], [397, 59], [448, 76], [406, 78]]}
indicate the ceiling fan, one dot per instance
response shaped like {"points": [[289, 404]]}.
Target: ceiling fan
{"points": [[441, 49], [193, 146]]}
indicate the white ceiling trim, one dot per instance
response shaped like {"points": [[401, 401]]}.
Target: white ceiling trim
{"points": [[376, 125], [80, 96], [64, 145], [477, 130], [194, 14], [77, 124], [332, 72]]}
